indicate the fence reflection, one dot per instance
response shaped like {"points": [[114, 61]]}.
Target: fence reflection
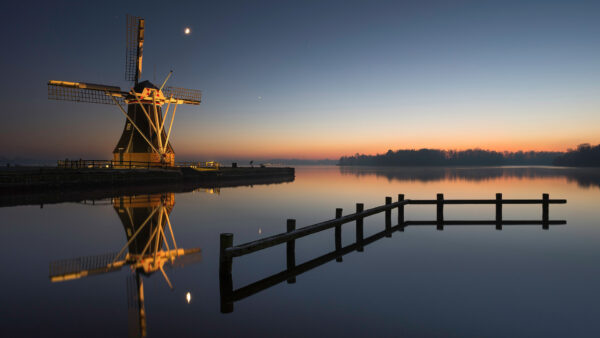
{"points": [[229, 295]]}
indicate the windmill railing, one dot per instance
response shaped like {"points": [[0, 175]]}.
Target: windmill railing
{"points": [[111, 164], [228, 251], [199, 165]]}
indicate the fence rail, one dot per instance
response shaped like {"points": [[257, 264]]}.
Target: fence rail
{"points": [[228, 251], [243, 249]]}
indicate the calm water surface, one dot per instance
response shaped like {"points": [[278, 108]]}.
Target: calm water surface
{"points": [[465, 281]]}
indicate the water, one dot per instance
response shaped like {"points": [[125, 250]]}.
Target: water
{"points": [[465, 281]]}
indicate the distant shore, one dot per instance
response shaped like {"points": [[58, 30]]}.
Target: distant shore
{"points": [[584, 156]]}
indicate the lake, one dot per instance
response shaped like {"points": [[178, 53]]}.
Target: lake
{"points": [[464, 281]]}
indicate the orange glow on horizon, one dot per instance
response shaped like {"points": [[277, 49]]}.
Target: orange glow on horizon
{"points": [[296, 141], [288, 151]]}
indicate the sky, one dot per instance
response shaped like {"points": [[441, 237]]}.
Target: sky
{"points": [[310, 79]]}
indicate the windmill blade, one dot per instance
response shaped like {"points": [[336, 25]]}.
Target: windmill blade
{"points": [[135, 48], [84, 92], [68, 269], [135, 306], [186, 96], [189, 256], [175, 258]]}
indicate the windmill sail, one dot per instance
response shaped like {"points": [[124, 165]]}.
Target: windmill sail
{"points": [[188, 96], [188, 257], [85, 92], [136, 312], [134, 49], [68, 269]]}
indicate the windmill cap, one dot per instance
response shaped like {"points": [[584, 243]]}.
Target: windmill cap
{"points": [[143, 85]]}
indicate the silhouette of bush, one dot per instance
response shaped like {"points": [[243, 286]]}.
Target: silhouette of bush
{"points": [[585, 155], [436, 157]]}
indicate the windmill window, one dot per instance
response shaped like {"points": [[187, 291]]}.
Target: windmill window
{"points": [[128, 126]]}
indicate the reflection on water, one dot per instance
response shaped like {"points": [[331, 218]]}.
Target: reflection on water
{"points": [[77, 194], [585, 177], [464, 281], [148, 229], [229, 295]]}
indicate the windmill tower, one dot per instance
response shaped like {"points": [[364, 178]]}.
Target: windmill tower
{"points": [[145, 137]]}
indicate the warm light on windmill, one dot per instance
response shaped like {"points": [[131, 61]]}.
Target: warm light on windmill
{"points": [[188, 297], [147, 131], [187, 31]]}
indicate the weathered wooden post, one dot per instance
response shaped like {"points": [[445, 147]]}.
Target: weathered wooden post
{"points": [[225, 276], [440, 212], [338, 234], [388, 218], [498, 211], [401, 212], [545, 213], [291, 250], [359, 227]]}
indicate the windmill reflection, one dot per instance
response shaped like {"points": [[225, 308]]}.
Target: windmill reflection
{"points": [[150, 246]]}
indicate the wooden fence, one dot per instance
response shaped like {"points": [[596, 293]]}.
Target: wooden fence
{"points": [[228, 251]]}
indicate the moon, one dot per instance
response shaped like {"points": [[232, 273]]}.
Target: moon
{"points": [[187, 31]]}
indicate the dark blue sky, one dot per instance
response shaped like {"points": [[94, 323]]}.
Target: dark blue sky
{"points": [[312, 79]]}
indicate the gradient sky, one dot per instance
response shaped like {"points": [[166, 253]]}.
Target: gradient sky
{"points": [[311, 79]]}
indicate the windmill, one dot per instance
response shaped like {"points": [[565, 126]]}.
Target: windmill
{"points": [[145, 219], [145, 137]]}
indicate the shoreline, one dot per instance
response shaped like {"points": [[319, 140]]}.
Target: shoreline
{"points": [[22, 181]]}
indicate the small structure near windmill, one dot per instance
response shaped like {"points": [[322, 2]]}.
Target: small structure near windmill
{"points": [[145, 137]]}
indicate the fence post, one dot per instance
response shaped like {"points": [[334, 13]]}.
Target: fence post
{"points": [[440, 212], [225, 276], [498, 211], [338, 234], [359, 227], [291, 250], [129, 164], [401, 212], [388, 217], [545, 216]]}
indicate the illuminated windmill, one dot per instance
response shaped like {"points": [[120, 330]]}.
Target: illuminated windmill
{"points": [[145, 219], [145, 137]]}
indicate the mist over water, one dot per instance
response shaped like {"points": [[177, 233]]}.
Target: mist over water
{"points": [[465, 281]]}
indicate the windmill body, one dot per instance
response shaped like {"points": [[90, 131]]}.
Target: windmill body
{"points": [[132, 146], [148, 125], [144, 217]]}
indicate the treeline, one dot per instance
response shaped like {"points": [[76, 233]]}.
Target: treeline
{"points": [[436, 157], [585, 155]]}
